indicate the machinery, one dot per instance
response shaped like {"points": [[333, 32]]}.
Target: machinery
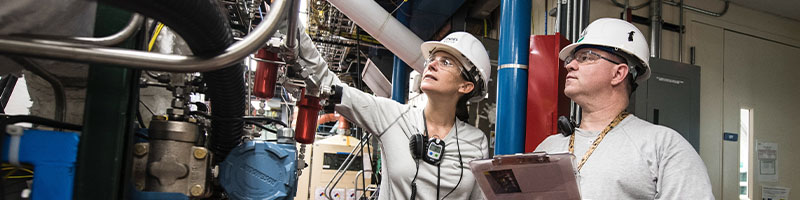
{"points": [[336, 159], [211, 141]]}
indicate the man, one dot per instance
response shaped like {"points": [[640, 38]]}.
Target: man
{"points": [[618, 155]]}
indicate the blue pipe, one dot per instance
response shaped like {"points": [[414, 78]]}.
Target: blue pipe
{"points": [[400, 68], [512, 76]]}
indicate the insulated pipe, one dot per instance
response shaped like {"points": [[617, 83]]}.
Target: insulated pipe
{"points": [[147, 60], [655, 29], [400, 69], [512, 76], [386, 29]]}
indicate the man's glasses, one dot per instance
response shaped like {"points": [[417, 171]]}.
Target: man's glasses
{"points": [[587, 57]]}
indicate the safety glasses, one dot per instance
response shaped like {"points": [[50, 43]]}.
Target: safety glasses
{"points": [[448, 63], [587, 57]]}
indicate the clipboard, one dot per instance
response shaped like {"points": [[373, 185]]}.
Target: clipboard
{"points": [[533, 176]]}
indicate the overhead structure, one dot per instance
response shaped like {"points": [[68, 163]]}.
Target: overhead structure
{"points": [[386, 29]]}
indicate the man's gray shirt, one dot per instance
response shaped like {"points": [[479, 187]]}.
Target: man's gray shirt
{"points": [[636, 160]]}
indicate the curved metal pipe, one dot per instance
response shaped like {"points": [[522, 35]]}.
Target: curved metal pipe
{"points": [[119, 37], [673, 3], [148, 60], [701, 11], [111, 40], [58, 87], [636, 7]]}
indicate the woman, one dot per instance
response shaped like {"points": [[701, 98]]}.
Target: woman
{"points": [[457, 70]]}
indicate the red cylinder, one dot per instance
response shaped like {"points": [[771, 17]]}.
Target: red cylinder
{"points": [[266, 75], [306, 128]]}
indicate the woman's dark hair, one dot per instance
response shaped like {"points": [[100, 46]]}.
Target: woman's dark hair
{"points": [[461, 108]]}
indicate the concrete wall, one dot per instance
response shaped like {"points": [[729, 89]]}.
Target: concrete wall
{"points": [[746, 59]]}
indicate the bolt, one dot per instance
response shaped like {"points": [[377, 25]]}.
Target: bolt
{"points": [[200, 154], [140, 149], [197, 190]]}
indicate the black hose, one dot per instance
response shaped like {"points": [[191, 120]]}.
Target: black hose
{"points": [[259, 125], [58, 87], [208, 33], [13, 119], [267, 119]]}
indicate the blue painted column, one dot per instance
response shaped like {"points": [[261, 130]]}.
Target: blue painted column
{"points": [[400, 68], [512, 76]]}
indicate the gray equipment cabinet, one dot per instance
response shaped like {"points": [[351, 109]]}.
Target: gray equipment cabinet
{"points": [[671, 97]]}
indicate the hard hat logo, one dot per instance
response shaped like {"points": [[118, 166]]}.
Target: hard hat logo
{"points": [[630, 36], [583, 35]]}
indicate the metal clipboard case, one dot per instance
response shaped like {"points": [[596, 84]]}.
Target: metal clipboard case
{"points": [[528, 176]]}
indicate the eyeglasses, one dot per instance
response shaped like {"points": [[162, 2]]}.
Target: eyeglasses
{"points": [[447, 62], [587, 57], [443, 61]]}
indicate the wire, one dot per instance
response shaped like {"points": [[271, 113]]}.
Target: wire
{"points": [[13, 177], [398, 7], [140, 119], [155, 35], [14, 168], [37, 120], [147, 107], [460, 161], [267, 119], [259, 125]]}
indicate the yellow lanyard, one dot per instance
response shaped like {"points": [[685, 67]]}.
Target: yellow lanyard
{"points": [[589, 152]]}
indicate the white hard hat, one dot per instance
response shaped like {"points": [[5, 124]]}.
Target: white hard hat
{"points": [[621, 37], [471, 53]]}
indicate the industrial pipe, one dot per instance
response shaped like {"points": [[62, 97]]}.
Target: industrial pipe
{"points": [[119, 37], [512, 74], [400, 69], [636, 7], [673, 3], [655, 30], [291, 33], [701, 11], [111, 40], [386, 29], [680, 31], [148, 60]]}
